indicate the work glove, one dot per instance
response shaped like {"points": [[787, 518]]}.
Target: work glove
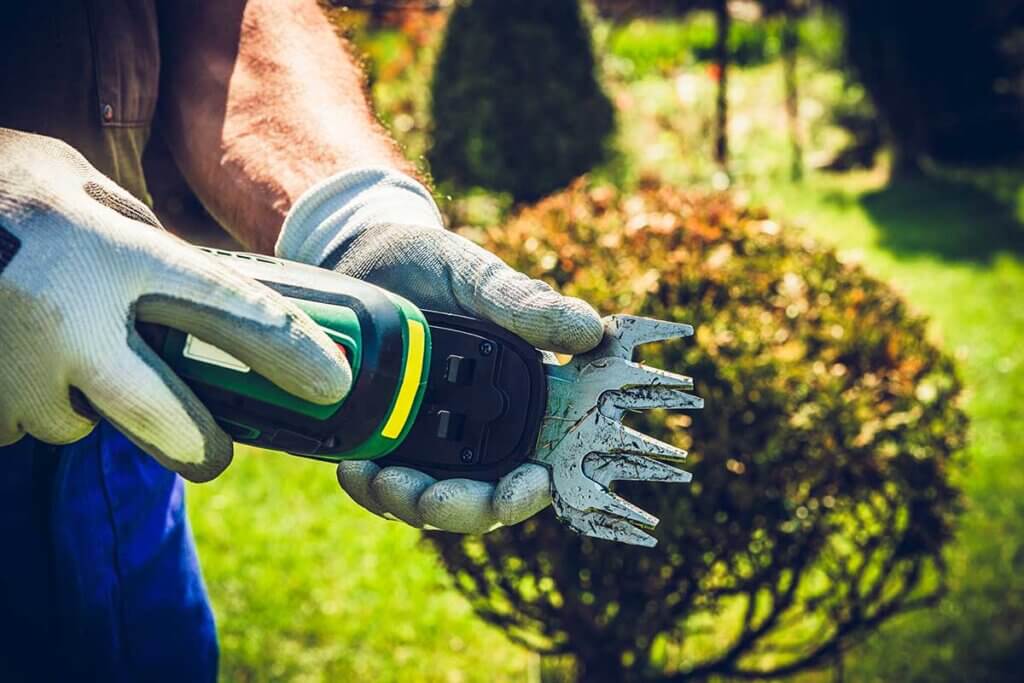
{"points": [[384, 227], [81, 261]]}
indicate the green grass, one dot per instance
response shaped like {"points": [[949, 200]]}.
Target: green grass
{"points": [[306, 586], [644, 47], [649, 47]]}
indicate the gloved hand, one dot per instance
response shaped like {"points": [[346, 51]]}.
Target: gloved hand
{"points": [[80, 261], [383, 227]]}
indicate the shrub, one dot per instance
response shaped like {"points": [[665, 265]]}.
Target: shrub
{"points": [[823, 460], [516, 104]]}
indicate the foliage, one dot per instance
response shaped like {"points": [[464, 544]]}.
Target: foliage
{"points": [[854, 114], [660, 46], [946, 78], [516, 103], [398, 61], [822, 491], [653, 47], [821, 36]]}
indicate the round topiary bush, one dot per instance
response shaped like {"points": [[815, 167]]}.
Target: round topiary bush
{"points": [[517, 107], [823, 461]]}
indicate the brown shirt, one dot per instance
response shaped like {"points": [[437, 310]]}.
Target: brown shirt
{"points": [[87, 72]]}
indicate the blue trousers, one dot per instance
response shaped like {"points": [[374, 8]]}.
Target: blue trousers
{"points": [[99, 578]]}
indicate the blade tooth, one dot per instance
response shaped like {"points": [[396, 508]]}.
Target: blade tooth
{"points": [[647, 398], [631, 331], [599, 499], [574, 488], [614, 529], [614, 437], [620, 507], [616, 373], [608, 527], [604, 468]]}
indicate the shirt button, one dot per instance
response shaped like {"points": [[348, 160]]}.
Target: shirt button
{"points": [[108, 112]]}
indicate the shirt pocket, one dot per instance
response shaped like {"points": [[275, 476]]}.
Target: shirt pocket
{"points": [[126, 55]]}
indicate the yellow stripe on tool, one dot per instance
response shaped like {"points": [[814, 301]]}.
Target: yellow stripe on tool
{"points": [[410, 382]]}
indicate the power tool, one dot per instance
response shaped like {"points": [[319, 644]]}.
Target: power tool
{"points": [[452, 396]]}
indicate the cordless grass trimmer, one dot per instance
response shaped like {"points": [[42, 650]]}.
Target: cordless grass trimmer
{"points": [[454, 397]]}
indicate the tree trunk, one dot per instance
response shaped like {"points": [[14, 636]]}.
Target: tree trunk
{"points": [[599, 667], [378, 8], [722, 24], [839, 670], [906, 159], [790, 43]]}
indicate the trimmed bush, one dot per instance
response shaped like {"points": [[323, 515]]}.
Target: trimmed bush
{"points": [[516, 104], [823, 461]]}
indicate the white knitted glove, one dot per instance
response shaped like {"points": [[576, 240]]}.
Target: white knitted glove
{"points": [[80, 261], [383, 227]]}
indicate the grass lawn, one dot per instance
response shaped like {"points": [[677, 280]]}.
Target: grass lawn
{"points": [[307, 586]]}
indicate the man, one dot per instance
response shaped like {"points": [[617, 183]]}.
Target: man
{"points": [[265, 113]]}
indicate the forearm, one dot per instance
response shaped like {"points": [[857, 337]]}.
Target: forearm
{"points": [[264, 101]]}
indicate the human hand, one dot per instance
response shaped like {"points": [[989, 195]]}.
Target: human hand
{"points": [[383, 227], [81, 261]]}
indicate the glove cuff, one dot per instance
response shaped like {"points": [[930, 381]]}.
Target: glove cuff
{"points": [[339, 208]]}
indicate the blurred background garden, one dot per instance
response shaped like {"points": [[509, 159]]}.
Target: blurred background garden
{"points": [[832, 192]]}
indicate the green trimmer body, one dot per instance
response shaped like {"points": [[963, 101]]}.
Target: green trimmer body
{"points": [[447, 394], [385, 338]]}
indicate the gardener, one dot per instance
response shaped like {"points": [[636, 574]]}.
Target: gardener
{"points": [[265, 113]]}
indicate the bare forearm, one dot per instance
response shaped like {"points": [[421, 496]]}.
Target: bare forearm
{"points": [[264, 101]]}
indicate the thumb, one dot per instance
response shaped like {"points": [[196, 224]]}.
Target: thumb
{"points": [[487, 287]]}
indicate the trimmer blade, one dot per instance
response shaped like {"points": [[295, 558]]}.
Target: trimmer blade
{"points": [[586, 447]]}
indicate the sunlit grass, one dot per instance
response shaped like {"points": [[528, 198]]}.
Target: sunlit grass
{"points": [[307, 586]]}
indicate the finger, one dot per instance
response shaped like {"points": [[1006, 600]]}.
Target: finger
{"points": [[487, 287], [11, 430], [461, 506], [12, 402], [137, 393], [43, 408], [522, 493], [252, 323], [56, 421], [399, 489], [99, 187], [111, 195], [355, 477]]}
